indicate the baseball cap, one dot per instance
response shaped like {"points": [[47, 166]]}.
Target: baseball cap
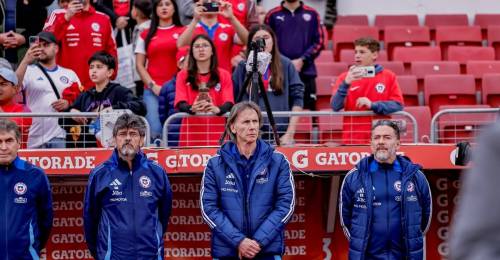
{"points": [[5, 63], [47, 36], [8, 75]]}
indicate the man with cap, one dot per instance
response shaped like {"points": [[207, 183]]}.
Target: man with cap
{"points": [[8, 103], [48, 88]]}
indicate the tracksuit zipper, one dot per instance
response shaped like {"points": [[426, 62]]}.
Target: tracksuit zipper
{"points": [[5, 222], [388, 210], [133, 211]]}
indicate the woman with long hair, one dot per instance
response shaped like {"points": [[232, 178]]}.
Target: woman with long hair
{"points": [[157, 47], [285, 90], [203, 88]]}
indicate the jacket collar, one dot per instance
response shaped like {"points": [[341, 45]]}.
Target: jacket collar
{"points": [[17, 164], [140, 159]]}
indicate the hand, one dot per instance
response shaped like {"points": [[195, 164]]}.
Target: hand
{"points": [[353, 74], [156, 89], [32, 53], [121, 22], [211, 108], [248, 248], [78, 120], [74, 7], [226, 10], [199, 106], [363, 102], [298, 63], [198, 11], [60, 105], [13, 40], [287, 139]]}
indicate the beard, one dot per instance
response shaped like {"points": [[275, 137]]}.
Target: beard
{"points": [[384, 155], [128, 151]]}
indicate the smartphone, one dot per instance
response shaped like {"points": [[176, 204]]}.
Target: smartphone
{"points": [[33, 40], [211, 7], [367, 71]]}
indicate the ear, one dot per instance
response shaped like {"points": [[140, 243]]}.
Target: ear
{"points": [[141, 142], [233, 129], [375, 55], [110, 72]]}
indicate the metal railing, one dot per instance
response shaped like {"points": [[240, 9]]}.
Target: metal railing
{"points": [[313, 127], [460, 124]]}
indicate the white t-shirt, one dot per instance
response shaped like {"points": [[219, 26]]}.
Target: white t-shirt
{"points": [[40, 96]]}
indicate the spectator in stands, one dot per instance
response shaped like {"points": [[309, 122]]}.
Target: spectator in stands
{"points": [[285, 90], [300, 38], [247, 192], [385, 204], [141, 13], [244, 10], [157, 47], [223, 35], [118, 11], [203, 88], [358, 91], [105, 95], [167, 97], [261, 14], [8, 91], [81, 31], [48, 88], [27, 213], [127, 182]]}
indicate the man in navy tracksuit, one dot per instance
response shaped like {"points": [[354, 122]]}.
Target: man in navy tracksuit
{"points": [[301, 39], [385, 202], [26, 201], [128, 199], [247, 194]]}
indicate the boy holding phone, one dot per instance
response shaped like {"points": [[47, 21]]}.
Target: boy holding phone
{"points": [[365, 86]]}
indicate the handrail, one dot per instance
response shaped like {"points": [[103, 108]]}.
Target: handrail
{"points": [[434, 127]]}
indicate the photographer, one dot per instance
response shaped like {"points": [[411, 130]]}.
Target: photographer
{"points": [[203, 88], [285, 90], [365, 86]]}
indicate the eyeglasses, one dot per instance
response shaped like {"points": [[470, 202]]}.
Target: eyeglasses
{"points": [[201, 46]]}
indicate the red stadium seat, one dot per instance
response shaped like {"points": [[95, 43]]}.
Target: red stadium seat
{"points": [[405, 36], [457, 35], [325, 56], [347, 55], [382, 21], [304, 129], [409, 88], [457, 127], [395, 66], [449, 90], [491, 89], [486, 20], [479, 68], [494, 39], [352, 20], [422, 68], [435, 20], [423, 116], [344, 36], [330, 128], [324, 91], [412, 54], [462, 54], [330, 68]]}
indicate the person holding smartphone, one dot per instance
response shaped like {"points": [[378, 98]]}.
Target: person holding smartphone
{"points": [[360, 89]]}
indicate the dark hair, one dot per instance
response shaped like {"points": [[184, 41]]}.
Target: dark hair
{"points": [[389, 123], [193, 66], [129, 121], [235, 112], [155, 20], [276, 66], [10, 126], [370, 43], [144, 6], [105, 58]]}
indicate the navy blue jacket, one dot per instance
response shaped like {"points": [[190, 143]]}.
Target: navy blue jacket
{"points": [[396, 233], [126, 211], [299, 34], [26, 210], [260, 214], [166, 108]]}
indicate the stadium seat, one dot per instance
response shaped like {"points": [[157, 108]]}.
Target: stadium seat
{"points": [[423, 116], [462, 54], [435, 20], [479, 68], [395, 66], [457, 127], [449, 90], [485, 20], [347, 55], [304, 129], [420, 53], [330, 128], [409, 88], [352, 20], [330, 68], [422, 68], [382, 21], [494, 39], [324, 91], [344, 36], [325, 56], [491, 90], [457, 35], [405, 36]]}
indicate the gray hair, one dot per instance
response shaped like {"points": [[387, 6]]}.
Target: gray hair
{"points": [[236, 110], [10, 126], [389, 123], [132, 121]]}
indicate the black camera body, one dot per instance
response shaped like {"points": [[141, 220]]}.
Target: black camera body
{"points": [[211, 7], [258, 45]]}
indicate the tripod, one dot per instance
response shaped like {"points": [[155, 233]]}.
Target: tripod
{"points": [[251, 87]]}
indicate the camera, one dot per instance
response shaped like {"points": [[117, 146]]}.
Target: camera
{"points": [[367, 71], [258, 45], [211, 7], [33, 40]]}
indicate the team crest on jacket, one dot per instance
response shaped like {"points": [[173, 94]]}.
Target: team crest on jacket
{"points": [[145, 182], [217, 87], [307, 17], [95, 27], [241, 6], [175, 36], [64, 79], [262, 177], [223, 36], [410, 187], [397, 186], [20, 188], [380, 87]]}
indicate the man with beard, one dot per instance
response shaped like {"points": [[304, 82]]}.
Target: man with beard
{"points": [[128, 199], [385, 204], [48, 87]]}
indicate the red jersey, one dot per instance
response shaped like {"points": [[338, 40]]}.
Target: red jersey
{"points": [[86, 33], [382, 87], [161, 52], [203, 131], [223, 37], [24, 123], [121, 7]]}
